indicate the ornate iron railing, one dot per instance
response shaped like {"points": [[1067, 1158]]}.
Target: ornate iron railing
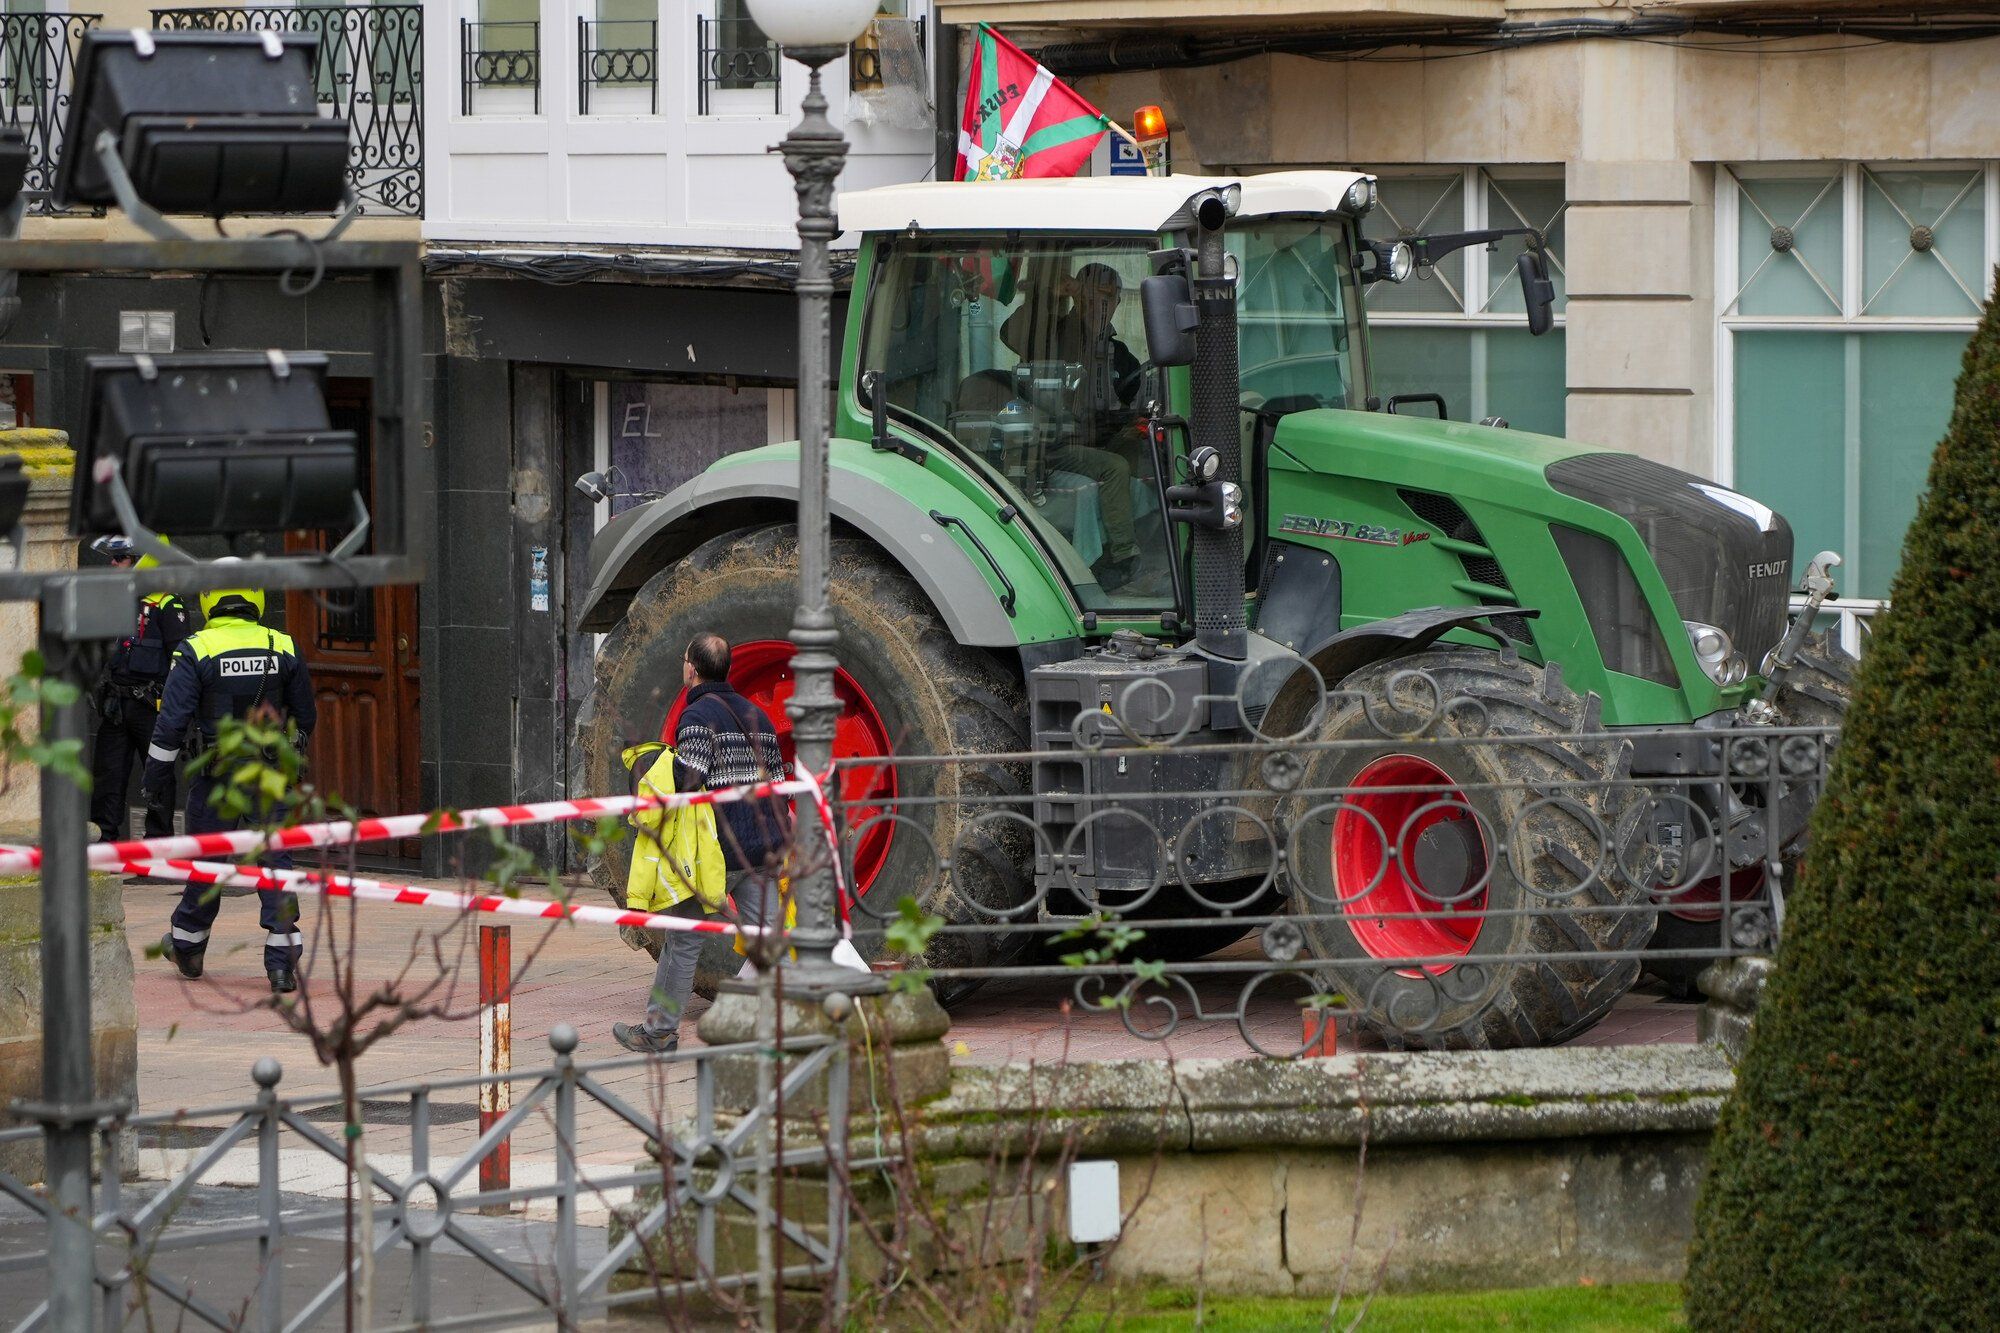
{"points": [[617, 53], [499, 55], [370, 71], [37, 61], [733, 54], [707, 1173], [1448, 856]]}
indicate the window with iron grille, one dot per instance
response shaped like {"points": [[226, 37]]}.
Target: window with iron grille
{"points": [[1460, 329]]}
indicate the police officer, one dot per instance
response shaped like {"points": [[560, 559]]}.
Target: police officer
{"points": [[128, 701], [232, 667]]}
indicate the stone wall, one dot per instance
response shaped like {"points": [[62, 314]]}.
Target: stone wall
{"points": [[114, 1018], [1411, 1171], [1522, 1168]]}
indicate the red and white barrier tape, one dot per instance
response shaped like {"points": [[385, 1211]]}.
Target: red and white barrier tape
{"points": [[243, 842], [268, 880]]}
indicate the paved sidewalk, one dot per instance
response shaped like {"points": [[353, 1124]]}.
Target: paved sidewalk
{"points": [[198, 1040]]}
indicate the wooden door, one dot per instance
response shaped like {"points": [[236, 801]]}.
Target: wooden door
{"points": [[361, 648]]}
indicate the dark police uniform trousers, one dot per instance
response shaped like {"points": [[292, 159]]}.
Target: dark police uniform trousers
{"points": [[229, 668], [130, 703]]}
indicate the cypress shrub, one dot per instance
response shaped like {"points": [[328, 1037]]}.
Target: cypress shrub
{"points": [[1855, 1177]]}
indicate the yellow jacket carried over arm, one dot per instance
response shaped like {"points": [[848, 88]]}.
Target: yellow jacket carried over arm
{"points": [[675, 852]]}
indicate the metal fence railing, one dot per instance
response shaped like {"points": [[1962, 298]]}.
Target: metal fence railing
{"points": [[37, 64], [370, 70], [707, 1175], [616, 54], [1428, 863], [733, 55]]}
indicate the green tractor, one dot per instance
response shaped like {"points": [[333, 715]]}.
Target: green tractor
{"points": [[1112, 443]]}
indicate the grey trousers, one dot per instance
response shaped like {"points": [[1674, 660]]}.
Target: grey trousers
{"points": [[756, 897]]}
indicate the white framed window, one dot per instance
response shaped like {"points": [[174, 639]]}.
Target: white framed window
{"points": [[1460, 329], [739, 71], [618, 58], [1846, 293], [500, 58]]}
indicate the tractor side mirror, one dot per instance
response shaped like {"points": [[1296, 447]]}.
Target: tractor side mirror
{"points": [[1537, 291], [1168, 302]]}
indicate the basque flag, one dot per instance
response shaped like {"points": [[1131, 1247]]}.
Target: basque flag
{"points": [[1019, 121]]}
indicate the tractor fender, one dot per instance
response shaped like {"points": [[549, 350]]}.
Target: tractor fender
{"points": [[641, 541], [1288, 697]]}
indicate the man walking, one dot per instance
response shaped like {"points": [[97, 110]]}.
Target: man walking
{"points": [[128, 702], [232, 667], [722, 740]]}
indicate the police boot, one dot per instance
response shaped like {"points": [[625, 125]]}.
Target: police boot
{"points": [[283, 980], [188, 963]]}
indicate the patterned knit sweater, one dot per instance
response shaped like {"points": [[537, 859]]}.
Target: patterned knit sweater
{"points": [[724, 740]]}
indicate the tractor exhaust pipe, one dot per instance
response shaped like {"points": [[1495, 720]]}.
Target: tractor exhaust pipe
{"points": [[1221, 631]]}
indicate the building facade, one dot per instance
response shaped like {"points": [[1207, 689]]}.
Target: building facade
{"points": [[1771, 235]]}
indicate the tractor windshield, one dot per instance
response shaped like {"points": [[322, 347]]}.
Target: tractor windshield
{"points": [[1027, 356], [1296, 329]]}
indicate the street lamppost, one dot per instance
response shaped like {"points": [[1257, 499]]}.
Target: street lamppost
{"points": [[814, 32]]}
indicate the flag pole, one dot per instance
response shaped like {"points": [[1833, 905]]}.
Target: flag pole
{"points": [[1120, 130]]}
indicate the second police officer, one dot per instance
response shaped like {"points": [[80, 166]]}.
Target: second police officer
{"points": [[232, 667], [128, 699]]}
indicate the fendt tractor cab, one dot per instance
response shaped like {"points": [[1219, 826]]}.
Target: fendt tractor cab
{"points": [[1113, 443]]}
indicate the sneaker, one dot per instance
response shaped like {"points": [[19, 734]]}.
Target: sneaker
{"points": [[188, 963], [283, 980], [643, 1042]]}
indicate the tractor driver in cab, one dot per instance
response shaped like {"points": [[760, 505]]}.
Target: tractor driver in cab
{"points": [[1069, 323]]}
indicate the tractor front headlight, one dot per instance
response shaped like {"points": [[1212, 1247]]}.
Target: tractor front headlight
{"points": [[1717, 653], [1361, 197], [1232, 505]]}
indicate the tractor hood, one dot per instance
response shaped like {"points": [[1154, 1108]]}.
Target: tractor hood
{"points": [[1640, 545], [1337, 442]]}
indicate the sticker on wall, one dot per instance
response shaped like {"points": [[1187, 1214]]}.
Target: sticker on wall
{"points": [[538, 578]]}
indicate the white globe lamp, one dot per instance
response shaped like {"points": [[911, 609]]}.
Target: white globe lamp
{"points": [[809, 23]]}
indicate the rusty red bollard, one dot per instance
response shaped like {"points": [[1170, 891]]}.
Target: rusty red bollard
{"points": [[496, 1057]]}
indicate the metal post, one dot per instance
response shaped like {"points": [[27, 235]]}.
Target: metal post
{"points": [[496, 1055], [67, 1084], [814, 152], [270, 1207], [563, 1041]]}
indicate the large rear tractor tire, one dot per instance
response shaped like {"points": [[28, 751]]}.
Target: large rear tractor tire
{"points": [[1499, 822], [1816, 694], [907, 688]]}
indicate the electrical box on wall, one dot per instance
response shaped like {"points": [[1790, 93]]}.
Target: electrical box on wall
{"points": [[1093, 1202]]}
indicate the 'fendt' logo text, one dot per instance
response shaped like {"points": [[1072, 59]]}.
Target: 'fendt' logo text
{"points": [[1340, 529], [1769, 569]]}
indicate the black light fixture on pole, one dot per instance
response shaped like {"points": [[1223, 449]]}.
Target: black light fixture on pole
{"points": [[814, 33]]}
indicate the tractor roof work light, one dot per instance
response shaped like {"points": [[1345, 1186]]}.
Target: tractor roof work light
{"points": [[1153, 140], [205, 123], [213, 442]]}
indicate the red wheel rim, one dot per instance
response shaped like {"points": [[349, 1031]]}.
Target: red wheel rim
{"points": [[1393, 801], [761, 671], [1701, 901]]}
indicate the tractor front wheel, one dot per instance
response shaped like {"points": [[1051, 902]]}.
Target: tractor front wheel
{"points": [[907, 688], [1453, 851]]}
